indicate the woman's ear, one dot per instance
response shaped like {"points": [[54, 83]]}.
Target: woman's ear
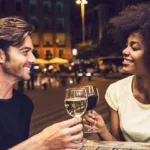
{"points": [[2, 56]]}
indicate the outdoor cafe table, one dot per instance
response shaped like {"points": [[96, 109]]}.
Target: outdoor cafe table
{"points": [[114, 145]]}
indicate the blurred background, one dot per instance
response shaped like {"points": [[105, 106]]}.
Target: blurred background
{"points": [[72, 48]]}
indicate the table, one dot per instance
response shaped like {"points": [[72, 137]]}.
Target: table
{"points": [[114, 145]]}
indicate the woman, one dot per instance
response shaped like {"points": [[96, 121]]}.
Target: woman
{"points": [[129, 98]]}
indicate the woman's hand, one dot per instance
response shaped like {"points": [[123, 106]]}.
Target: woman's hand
{"points": [[92, 118]]}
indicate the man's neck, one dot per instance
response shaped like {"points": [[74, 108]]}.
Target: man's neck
{"points": [[6, 87]]}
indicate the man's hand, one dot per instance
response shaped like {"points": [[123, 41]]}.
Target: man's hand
{"points": [[63, 135]]}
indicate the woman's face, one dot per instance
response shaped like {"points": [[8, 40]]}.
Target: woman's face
{"points": [[133, 55]]}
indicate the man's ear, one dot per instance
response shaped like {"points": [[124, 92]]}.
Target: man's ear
{"points": [[2, 56]]}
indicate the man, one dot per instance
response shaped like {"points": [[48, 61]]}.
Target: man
{"points": [[16, 59]]}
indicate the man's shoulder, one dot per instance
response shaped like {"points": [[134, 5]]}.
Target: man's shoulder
{"points": [[21, 96]]}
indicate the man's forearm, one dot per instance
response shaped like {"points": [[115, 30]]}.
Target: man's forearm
{"points": [[32, 143]]}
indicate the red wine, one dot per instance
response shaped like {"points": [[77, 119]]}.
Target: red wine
{"points": [[92, 101]]}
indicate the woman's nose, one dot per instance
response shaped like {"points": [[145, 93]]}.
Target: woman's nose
{"points": [[126, 51]]}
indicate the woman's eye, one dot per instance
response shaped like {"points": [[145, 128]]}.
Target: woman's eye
{"points": [[135, 48]]}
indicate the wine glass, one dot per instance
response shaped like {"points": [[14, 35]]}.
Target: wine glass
{"points": [[93, 99], [76, 101]]}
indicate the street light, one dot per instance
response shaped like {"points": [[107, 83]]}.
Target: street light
{"points": [[82, 2]]}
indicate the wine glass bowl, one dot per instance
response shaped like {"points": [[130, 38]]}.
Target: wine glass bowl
{"points": [[93, 99], [76, 101], [92, 95]]}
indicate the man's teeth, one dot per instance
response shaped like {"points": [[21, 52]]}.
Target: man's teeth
{"points": [[27, 68]]}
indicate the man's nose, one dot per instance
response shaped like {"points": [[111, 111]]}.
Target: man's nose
{"points": [[32, 58]]}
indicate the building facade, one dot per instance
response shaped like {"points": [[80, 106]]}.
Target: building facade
{"points": [[51, 19]]}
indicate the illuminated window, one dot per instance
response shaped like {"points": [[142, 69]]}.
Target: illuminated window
{"points": [[48, 55], [35, 39], [48, 39], [60, 39], [59, 7], [35, 53], [61, 53], [47, 6]]}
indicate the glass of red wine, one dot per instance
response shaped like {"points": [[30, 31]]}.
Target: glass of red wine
{"points": [[93, 99]]}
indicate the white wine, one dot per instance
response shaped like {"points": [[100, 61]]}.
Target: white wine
{"points": [[76, 106]]}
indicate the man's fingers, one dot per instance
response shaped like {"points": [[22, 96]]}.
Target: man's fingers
{"points": [[75, 129], [76, 137], [71, 122]]}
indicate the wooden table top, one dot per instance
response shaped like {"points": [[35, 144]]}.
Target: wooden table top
{"points": [[114, 145]]}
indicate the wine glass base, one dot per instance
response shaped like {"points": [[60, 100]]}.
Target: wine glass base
{"points": [[91, 131]]}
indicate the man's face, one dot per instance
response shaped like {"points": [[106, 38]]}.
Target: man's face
{"points": [[20, 60]]}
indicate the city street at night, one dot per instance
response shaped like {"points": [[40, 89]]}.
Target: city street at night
{"points": [[49, 105]]}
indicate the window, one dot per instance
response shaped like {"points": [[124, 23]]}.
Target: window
{"points": [[18, 5], [60, 39], [4, 5], [60, 23], [48, 55], [35, 53], [61, 53], [35, 39], [34, 21], [47, 23], [59, 7], [32, 5], [47, 6], [48, 39]]}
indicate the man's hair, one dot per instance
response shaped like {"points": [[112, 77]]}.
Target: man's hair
{"points": [[134, 18], [13, 31]]}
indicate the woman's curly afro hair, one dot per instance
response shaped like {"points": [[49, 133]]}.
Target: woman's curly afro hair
{"points": [[134, 18]]}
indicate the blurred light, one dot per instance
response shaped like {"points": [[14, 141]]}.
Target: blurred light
{"points": [[84, 1], [70, 68], [74, 52], [81, 1], [45, 69], [78, 2], [50, 67], [80, 74], [36, 67], [88, 74], [51, 80], [71, 81], [72, 64]]}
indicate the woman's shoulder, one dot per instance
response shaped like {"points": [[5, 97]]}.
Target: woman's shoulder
{"points": [[123, 82]]}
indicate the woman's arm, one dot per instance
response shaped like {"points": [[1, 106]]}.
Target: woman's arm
{"points": [[115, 124], [97, 122]]}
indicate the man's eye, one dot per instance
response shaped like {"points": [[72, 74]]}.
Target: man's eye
{"points": [[25, 52]]}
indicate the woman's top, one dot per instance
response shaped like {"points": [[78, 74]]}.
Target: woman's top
{"points": [[134, 116]]}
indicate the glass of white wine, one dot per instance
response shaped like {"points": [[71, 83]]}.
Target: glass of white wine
{"points": [[76, 101], [93, 99]]}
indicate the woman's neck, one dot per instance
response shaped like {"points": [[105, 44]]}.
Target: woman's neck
{"points": [[141, 88]]}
